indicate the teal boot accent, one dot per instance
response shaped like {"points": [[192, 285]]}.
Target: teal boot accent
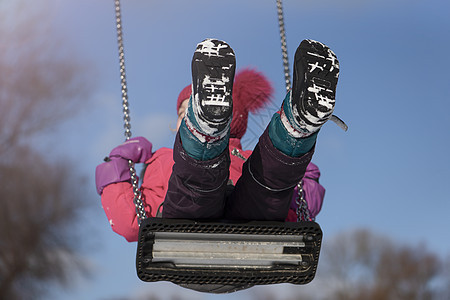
{"points": [[198, 150], [285, 142]]}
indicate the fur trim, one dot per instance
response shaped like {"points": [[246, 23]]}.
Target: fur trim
{"points": [[251, 90]]}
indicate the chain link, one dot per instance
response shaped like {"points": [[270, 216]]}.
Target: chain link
{"points": [[303, 213], [140, 211], [287, 72], [302, 205]]}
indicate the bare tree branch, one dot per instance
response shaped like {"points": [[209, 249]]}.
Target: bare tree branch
{"points": [[363, 265], [41, 83], [40, 200]]}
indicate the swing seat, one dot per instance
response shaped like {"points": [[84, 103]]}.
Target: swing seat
{"points": [[207, 255]]}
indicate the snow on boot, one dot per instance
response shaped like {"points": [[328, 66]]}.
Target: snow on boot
{"points": [[206, 127], [210, 109], [312, 99]]}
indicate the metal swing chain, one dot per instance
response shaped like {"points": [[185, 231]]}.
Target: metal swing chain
{"points": [[284, 53], [140, 211], [302, 205], [303, 213], [287, 72]]}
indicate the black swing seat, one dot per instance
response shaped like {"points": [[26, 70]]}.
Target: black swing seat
{"points": [[203, 255]]}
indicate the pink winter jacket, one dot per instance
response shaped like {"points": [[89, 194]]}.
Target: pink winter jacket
{"points": [[117, 198]]}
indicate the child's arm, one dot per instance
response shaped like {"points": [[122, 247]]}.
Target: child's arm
{"points": [[117, 202], [117, 198], [113, 184]]}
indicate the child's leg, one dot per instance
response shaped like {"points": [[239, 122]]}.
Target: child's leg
{"points": [[280, 158], [196, 188], [200, 174]]}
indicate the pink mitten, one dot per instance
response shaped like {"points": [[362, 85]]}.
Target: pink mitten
{"points": [[313, 191], [137, 149], [116, 168], [112, 171]]}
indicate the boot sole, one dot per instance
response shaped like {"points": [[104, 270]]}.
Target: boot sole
{"points": [[313, 94], [213, 68]]}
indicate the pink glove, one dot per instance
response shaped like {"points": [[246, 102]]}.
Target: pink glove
{"points": [[138, 149], [116, 168], [313, 191]]}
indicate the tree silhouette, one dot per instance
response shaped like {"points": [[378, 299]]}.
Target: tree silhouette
{"points": [[42, 83], [363, 265], [40, 197], [38, 208]]}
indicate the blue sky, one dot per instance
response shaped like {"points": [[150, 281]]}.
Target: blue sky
{"points": [[388, 173]]}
